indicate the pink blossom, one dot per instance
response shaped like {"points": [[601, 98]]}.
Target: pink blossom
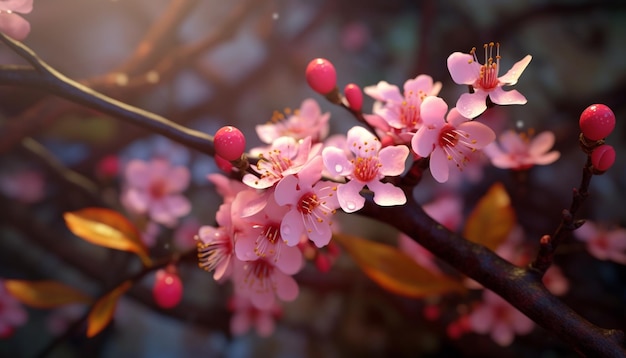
{"points": [[11, 23], [150, 233], [304, 122], [418, 253], [286, 156], [154, 188], [465, 69], [184, 236], [261, 281], [245, 316], [450, 141], [447, 210], [12, 314], [311, 204], [603, 243], [226, 187], [555, 281], [367, 167], [401, 111], [522, 151], [498, 318], [215, 245], [27, 185], [260, 236]]}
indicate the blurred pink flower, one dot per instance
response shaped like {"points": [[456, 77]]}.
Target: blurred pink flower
{"points": [[27, 185], [304, 122], [496, 317], [150, 233], [154, 188], [246, 316], [184, 236], [466, 70], [447, 141], [602, 243], [521, 151], [368, 165], [11, 23], [262, 282], [447, 210], [418, 253], [12, 314], [555, 282]]}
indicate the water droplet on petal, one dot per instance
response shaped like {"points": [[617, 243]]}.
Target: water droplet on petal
{"points": [[286, 229], [519, 124], [338, 168], [350, 205]]}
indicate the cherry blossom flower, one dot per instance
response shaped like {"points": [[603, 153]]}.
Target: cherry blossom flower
{"points": [[260, 236], [401, 111], [12, 314], [304, 122], [465, 69], [25, 185], [367, 167], [154, 187], [261, 281], [522, 151], [499, 319], [11, 23], [286, 156], [245, 316], [226, 187], [215, 245], [603, 243], [450, 141], [555, 281], [184, 235]]}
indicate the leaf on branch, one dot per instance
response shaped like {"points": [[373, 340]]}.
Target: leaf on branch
{"points": [[395, 271], [107, 228], [493, 218], [45, 294], [102, 312]]}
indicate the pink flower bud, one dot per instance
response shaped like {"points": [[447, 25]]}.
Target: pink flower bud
{"points": [[223, 164], [229, 143], [321, 76], [168, 288], [603, 157], [354, 96], [597, 122]]}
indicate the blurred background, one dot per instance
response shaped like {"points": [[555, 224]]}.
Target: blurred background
{"points": [[209, 63]]}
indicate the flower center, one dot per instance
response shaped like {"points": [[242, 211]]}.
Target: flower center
{"points": [[273, 165], [447, 136], [365, 169], [457, 144], [488, 76], [211, 254], [271, 233], [307, 203], [158, 189], [409, 111]]}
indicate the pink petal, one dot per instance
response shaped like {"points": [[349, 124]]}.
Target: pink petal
{"points": [[311, 173], [160, 213], [384, 92], [362, 142], [463, 69], [336, 162], [320, 233], [511, 142], [223, 269], [376, 121], [393, 160], [286, 287], [14, 25], [21, 6], [510, 78], [136, 200], [349, 196], [137, 174], [542, 143], [240, 323], [249, 202], [548, 158], [178, 205], [588, 231], [422, 83], [478, 132], [262, 298], [433, 111], [386, 194], [502, 97], [289, 260], [521, 323], [471, 105], [267, 132], [502, 334], [265, 325], [482, 319], [246, 244], [178, 179], [286, 192], [292, 227], [425, 140], [439, 167]]}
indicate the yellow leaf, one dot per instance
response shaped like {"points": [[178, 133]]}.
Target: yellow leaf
{"points": [[44, 294], [102, 312], [492, 219], [107, 228], [394, 270]]}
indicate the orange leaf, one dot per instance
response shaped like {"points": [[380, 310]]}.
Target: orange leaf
{"points": [[107, 228], [394, 270], [492, 219], [44, 294], [102, 312]]}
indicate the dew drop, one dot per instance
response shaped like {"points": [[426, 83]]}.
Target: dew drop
{"points": [[351, 205], [519, 124], [286, 230], [338, 168]]}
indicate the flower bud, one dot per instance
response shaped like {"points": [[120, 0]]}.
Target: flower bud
{"points": [[223, 164], [354, 96], [229, 143], [597, 122], [321, 76], [603, 157], [168, 288]]}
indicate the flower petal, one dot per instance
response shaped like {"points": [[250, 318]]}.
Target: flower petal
{"points": [[349, 196], [336, 162], [178, 205], [510, 78], [286, 192], [471, 105], [384, 92], [292, 227], [286, 287], [439, 167], [21, 6], [14, 25], [542, 143], [289, 260], [424, 141], [502, 97], [479, 133], [386, 194], [393, 159], [463, 69], [433, 111]]}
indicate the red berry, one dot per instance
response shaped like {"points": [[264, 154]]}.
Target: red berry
{"points": [[354, 96], [597, 122], [603, 157], [223, 164], [321, 76], [168, 289], [229, 143]]}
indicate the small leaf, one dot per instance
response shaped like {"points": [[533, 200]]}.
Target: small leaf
{"points": [[45, 294], [493, 218], [394, 270], [102, 312], [107, 228]]}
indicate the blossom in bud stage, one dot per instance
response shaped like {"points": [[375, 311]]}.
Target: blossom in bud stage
{"points": [[465, 69], [11, 23], [321, 76], [366, 167], [168, 288], [603, 157], [603, 243], [522, 151], [307, 121], [229, 143], [450, 141], [354, 96], [597, 121]]}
